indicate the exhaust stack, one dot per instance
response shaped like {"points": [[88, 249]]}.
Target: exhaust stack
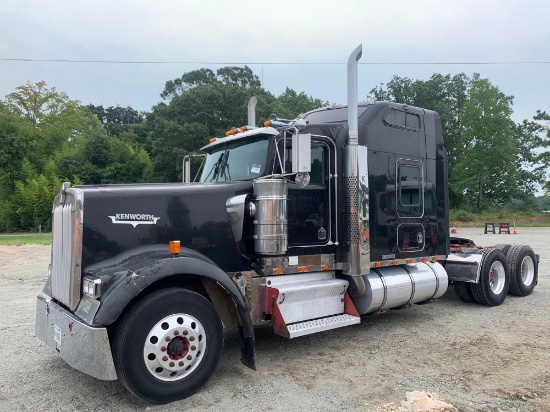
{"points": [[354, 185], [252, 111]]}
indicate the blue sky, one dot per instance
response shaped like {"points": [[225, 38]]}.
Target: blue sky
{"points": [[273, 32]]}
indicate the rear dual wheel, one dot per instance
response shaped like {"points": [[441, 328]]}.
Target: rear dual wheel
{"points": [[523, 270], [168, 345], [494, 279]]}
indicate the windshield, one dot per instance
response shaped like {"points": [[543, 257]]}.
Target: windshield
{"points": [[237, 160]]}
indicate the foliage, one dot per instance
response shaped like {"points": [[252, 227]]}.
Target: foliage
{"points": [[460, 215]]}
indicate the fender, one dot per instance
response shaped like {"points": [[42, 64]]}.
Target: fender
{"points": [[125, 276]]}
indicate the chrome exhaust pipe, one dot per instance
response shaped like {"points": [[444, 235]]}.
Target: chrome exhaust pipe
{"points": [[252, 111], [351, 182]]}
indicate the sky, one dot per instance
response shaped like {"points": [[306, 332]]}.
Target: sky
{"points": [[260, 34]]}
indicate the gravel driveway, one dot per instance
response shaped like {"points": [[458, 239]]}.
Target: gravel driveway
{"points": [[475, 358]]}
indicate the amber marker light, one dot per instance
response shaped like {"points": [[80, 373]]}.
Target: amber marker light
{"points": [[325, 267], [377, 264], [174, 247], [435, 258], [394, 262], [409, 261], [212, 140], [302, 269], [267, 123], [243, 129], [424, 259], [278, 271]]}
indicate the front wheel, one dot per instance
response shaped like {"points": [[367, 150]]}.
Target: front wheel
{"points": [[494, 279], [168, 345]]}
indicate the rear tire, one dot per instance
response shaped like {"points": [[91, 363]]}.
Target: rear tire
{"points": [[464, 292], [494, 279], [523, 270], [168, 345], [503, 248]]}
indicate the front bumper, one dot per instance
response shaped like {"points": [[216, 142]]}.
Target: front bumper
{"points": [[83, 347]]}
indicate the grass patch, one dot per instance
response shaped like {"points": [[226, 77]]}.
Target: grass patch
{"points": [[522, 219], [18, 240]]}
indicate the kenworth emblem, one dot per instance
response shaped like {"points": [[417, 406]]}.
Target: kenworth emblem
{"points": [[134, 219]]}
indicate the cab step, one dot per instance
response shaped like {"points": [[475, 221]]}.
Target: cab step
{"points": [[319, 325], [308, 303]]}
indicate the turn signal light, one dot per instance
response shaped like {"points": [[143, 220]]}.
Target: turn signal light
{"points": [[174, 247]]}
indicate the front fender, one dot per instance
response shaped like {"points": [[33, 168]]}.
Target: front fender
{"points": [[126, 276]]}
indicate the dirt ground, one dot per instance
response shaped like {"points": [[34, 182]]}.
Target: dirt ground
{"points": [[472, 357]]}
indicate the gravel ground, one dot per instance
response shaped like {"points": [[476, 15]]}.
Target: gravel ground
{"points": [[472, 357]]}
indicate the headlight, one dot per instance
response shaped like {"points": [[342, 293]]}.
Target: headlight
{"points": [[92, 287]]}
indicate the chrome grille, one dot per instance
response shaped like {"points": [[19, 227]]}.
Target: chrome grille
{"points": [[67, 246]]}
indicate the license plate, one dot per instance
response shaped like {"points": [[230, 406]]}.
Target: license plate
{"points": [[57, 334]]}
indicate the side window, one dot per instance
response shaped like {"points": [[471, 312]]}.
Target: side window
{"points": [[319, 159], [318, 166], [410, 201], [398, 118]]}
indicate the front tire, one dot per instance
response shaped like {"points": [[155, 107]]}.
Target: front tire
{"points": [[523, 270], [168, 345], [494, 279]]}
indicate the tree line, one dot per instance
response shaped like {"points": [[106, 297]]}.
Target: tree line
{"points": [[46, 138]]}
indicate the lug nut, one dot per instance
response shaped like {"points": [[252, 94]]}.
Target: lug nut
{"points": [[193, 347], [192, 338], [181, 363], [167, 339], [185, 333], [189, 357], [165, 358], [172, 364], [176, 332], [163, 349]]}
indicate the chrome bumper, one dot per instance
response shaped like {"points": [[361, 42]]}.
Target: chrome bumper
{"points": [[83, 347]]}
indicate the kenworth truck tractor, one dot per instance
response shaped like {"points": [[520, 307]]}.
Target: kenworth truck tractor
{"points": [[306, 223]]}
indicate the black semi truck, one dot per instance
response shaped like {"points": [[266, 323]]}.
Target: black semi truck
{"points": [[306, 223]]}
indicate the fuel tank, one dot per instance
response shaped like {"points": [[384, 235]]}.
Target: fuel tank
{"points": [[397, 286]]}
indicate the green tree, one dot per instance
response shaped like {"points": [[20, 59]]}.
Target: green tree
{"points": [[487, 169], [35, 101], [116, 119], [202, 104]]}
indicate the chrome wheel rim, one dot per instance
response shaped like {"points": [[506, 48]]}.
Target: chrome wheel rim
{"points": [[174, 347], [527, 270], [497, 277]]}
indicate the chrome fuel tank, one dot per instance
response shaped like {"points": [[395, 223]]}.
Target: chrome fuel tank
{"points": [[270, 220], [396, 286]]}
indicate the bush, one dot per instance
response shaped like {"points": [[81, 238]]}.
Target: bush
{"points": [[461, 215]]}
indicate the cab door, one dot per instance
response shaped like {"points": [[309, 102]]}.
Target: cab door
{"points": [[309, 216]]}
